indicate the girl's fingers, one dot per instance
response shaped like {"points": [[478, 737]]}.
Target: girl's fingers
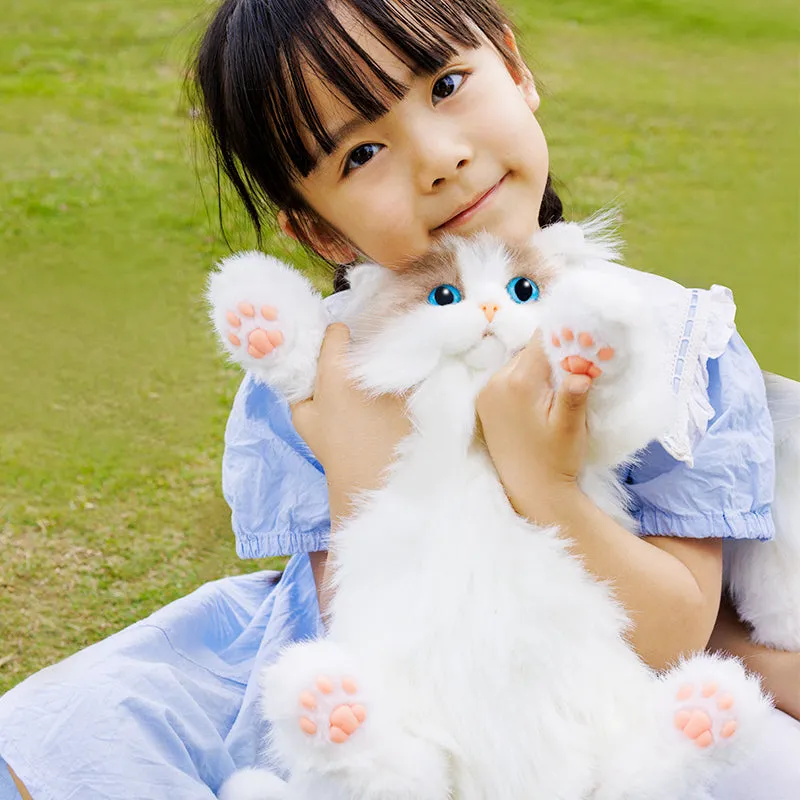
{"points": [[569, 405], [532, 367], [568, 409], [331, 355]]}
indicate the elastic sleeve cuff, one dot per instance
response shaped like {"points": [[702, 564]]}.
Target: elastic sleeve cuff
{"points": [[288, 543], [755, 524]]}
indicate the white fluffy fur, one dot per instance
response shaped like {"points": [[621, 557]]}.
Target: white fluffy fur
{"points": [[764, 577], [491, 664]]}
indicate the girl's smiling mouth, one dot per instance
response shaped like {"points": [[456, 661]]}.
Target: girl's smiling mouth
{"points": [[467, 212]]}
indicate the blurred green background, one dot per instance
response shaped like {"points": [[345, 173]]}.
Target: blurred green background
{"points": [[113, 398]]}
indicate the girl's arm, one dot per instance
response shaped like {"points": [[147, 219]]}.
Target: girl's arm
{"points": [[670, 587], [779, 669], [351, 434]]}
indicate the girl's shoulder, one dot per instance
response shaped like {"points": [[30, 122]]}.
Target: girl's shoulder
{"points": [[712, 473]]}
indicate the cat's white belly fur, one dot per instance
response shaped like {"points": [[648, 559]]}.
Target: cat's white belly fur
{"points": [[452, 599]]}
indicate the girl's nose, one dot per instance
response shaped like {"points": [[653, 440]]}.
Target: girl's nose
{"points": [[440, 153], [489, 309]]}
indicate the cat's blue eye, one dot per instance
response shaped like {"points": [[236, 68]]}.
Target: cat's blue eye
{"points": [[444, 295], [522, 290]]}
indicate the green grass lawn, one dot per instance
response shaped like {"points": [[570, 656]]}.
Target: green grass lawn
{"points": [[113, 396]]}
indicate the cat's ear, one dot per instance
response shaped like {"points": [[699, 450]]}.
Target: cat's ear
{"points": [[570, 244], [323, 242]]}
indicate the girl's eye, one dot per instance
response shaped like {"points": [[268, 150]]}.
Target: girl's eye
{"points": [[360, 156], [447, 85], [444, 295], [522, 290]]}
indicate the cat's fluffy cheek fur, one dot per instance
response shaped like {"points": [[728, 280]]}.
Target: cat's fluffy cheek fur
{"points": [[409, 348], [392, 359]]}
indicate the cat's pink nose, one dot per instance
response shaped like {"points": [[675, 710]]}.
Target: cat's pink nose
{"points": [[489, 309]]}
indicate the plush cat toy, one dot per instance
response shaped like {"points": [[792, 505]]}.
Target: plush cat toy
{"points": [[469, 654]]}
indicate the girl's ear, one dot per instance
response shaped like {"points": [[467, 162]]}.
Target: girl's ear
{"points": [[521, 74], [323, 244]]}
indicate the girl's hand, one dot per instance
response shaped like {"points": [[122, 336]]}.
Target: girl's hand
{"points": [[536, 437], [352, 435]]}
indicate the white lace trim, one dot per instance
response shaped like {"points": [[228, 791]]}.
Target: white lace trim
{"points": [[707, 327]]}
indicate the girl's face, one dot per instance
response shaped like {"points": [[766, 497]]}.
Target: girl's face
{"points": [[460, 152]]}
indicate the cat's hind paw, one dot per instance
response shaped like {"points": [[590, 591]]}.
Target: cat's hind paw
{"points": [[715, 704], [269, 319], [331, 708], [706, 713], [317, 704]]}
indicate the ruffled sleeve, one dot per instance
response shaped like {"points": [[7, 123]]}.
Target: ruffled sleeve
{"points": [[713, 475], [275, 487]]}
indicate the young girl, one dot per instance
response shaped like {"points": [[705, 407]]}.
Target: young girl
{"points": [[374, 127]]}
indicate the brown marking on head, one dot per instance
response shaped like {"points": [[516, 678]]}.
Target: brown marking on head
{"points": [[527, 261], [407, 289]]}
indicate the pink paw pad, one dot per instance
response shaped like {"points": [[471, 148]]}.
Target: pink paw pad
{"points": [[581, 363], [344, 719], [259, 341], [696, 723]]}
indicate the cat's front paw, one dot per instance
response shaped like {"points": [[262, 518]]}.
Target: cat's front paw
{"points": [[270, 320], [596, 322], [592, 325], [582, 353]]}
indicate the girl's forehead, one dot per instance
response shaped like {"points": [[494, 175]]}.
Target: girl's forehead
{"points": [[336, 111]]}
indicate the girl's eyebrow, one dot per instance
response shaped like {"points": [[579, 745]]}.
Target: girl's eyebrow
{"points": [[338, 136], [348, 128]]}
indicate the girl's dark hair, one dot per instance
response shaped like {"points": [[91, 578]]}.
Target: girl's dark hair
{"points": [[250, 70]]}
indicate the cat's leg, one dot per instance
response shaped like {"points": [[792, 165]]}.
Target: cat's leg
{"points": [[699, 718], [333, 726], [596, 322], [764, 577], [269, 319]]}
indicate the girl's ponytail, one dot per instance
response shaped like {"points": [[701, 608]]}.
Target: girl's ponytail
{"points": [[551, 210]]}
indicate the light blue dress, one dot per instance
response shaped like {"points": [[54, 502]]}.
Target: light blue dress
{"points": [[168, 707]]}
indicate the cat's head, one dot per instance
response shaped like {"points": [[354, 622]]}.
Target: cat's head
{"points": [[473, 300]]}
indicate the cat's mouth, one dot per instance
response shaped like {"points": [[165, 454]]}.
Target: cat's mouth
{"points": [[487, 353]]}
